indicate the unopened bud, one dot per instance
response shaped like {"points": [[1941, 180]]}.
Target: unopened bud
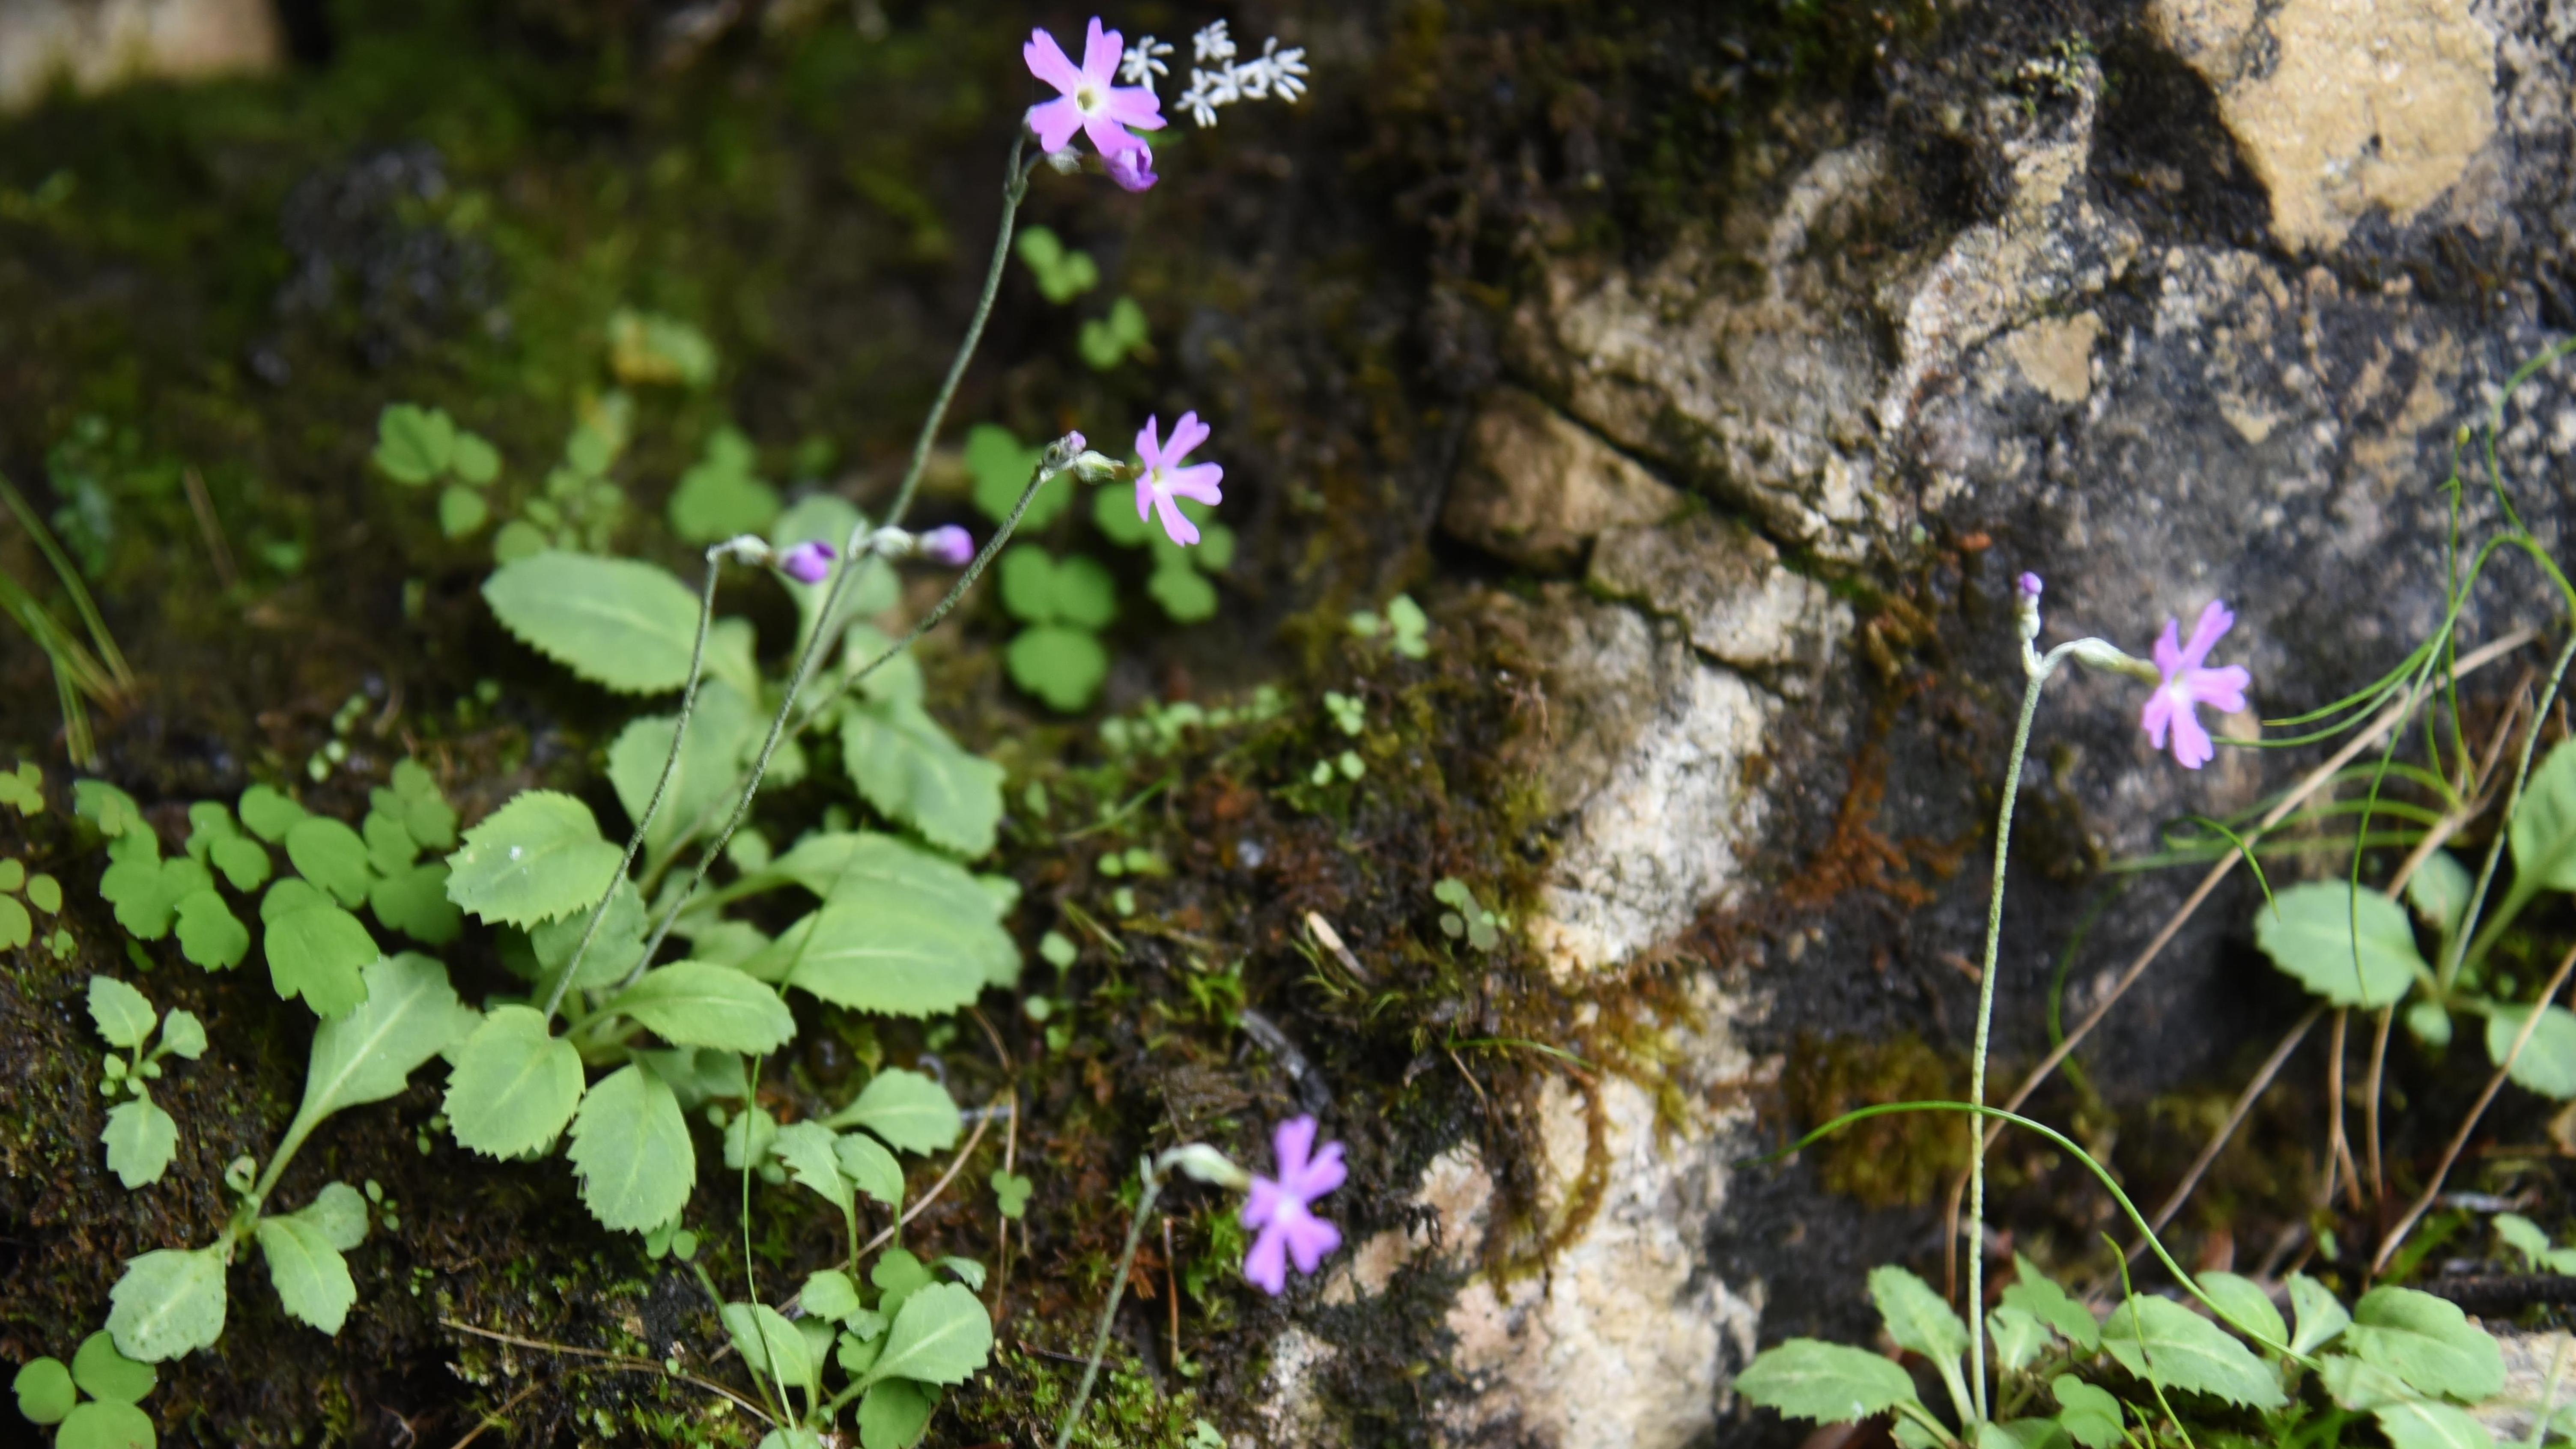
{"points": [[948, 545], [1206, 1164], [809, 562]]}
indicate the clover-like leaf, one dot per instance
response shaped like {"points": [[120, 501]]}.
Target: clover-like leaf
{"points": [[210, 935], [413, 900], [909, 769], [538, 857], [2311, 935], [942, 1335], [1061, 665], [332, 856], [103, 1373], [1011, 1190], [690, 1003], [103, 1424], [628, 626], [311, 1277], [319, 953], [1002, 468], [414, 444], [908, 1110], [169, 1302], [514, 1086], [632, 1151], [241, 860], [1828, 1383], [140, 1140], [829, 1293], [268, 813], [44, 1390]]}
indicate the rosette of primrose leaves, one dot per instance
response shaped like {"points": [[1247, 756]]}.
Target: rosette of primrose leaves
{"points": [[615, 1045]]}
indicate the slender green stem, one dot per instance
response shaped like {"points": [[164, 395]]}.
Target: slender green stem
{"points": [[661, 787], [825, 622], [2464, 951], [81, 601], [1985, 1035], [1109, 1310]]}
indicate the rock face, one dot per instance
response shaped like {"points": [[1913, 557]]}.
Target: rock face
{"points": [[2081, 373], [95, 44]]}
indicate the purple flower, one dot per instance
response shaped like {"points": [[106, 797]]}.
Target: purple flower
{"points": [[1164, 476], [948, 545], [2027, 588], [1133, 170], [1285, 1230], [1088, 102], [807, 563], [2187, 685]]}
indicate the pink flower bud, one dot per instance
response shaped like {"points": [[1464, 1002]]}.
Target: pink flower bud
{"points": [[1132, 169], [2027, 586], [948, 545], [807, 563]]}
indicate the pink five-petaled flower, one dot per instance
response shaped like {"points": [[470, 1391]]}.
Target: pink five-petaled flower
{"points": [[1164, 476], [1089, 102], [1279, 1211], [807, 563], [948, 544], [2188, 684]]}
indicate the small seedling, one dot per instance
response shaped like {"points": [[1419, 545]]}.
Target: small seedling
{"points": [[1111, 340], [140, 1137], [1466, 918]]}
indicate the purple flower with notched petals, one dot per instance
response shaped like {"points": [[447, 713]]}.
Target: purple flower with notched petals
{"points": [[1164, 476], [807, 563], [948, 545], [2188, 684], [1133, 169], [1285, 1230], [1088, 101]]}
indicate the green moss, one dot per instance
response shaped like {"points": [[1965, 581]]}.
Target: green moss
{"points": [[1899, 1160]]}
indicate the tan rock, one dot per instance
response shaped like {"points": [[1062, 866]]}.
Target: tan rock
{"points": [[2055, 355], [96, 44], [1727, 586], [1534, 486], [2341, 106]]}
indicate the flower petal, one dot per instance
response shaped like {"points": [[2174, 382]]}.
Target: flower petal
{"points": [[1134, 106], [2191, 743], [2156, 716], [1187, 434], [2168, 650], [1266, 1266], [1100, 52], [2215, 620], [1292, 1142], [1197, 481], [1149, 447], [1047, 62], [1175, 523], [1055, 122], [1110, 138], [1309, 1239], [1262, 1203], [2221, 689], [1318, 1177]]}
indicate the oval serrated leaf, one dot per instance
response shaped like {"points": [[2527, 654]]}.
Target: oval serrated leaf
{"points": [[2245, 1306], [538, 857], [2544, 822], [410, 1015], [869, 1167], [311, 1277], [168, 1302], [2311, 935], [1916, 1317], [631, 1147], [514, 1086], [1829, 1383], [629, 626], [909, 769], [895, 1414], [320, 953], [2427, 1342], [906, 961], [2547, 1064], [690, 1003], [123, 1015], [941, 1336], [2161, 1340], [908, 1110]]}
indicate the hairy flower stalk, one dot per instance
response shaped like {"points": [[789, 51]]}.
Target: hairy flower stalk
{"points": [[2037, 667]]}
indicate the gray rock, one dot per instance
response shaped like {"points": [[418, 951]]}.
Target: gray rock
{"points": [[1726, 584], [96, 44], [1534, 487]]}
